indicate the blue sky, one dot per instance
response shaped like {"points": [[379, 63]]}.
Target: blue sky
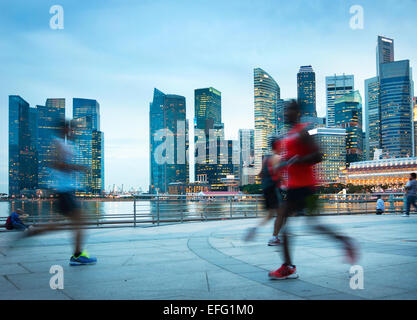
{"points": [[117, 51]]}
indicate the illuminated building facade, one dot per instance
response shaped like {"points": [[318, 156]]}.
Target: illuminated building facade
{"points": [[306, 94], [372, 117], [207, 108], [89, 141], [348, 115], [169, 128], [336, 87], [333, 146], [267, 94], [247, 156], [22, 154], [384, 52], [207, 130], [396, 109], [381, 172], [51, 119], [415, 125]]}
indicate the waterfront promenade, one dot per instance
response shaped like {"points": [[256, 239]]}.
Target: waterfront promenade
{"points": [[209, 260]]}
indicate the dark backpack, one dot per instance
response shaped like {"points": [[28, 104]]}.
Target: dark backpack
{"points": [[9, 225]]}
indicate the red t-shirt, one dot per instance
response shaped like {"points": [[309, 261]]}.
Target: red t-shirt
{"points": [[299, 174]]}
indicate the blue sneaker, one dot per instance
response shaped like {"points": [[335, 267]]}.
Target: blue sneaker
{"points": [[83, 258]]}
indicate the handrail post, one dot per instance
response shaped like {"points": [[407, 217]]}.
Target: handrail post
{"points": [[337, 204], [231, 208], [157, 209], [366, 202], [134, 212]]}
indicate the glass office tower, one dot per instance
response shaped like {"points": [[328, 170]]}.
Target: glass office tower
{"points": [[384, 52], [247, 156], [51, 119], [89, 141], [336, 87], [306, 91], [208, 132], [348, 115], [396, 109], [372, 117], [22, 156], [207, 108], [267, 94], [332, 142], [168, 131]]}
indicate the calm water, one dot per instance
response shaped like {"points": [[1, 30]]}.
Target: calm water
{"points": [[123, 210]]}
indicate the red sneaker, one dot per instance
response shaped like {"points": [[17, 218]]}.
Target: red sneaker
{"points": [[351, 251], [285, 272]]}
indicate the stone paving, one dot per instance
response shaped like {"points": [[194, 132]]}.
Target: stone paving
{"points": [[209, 260]]}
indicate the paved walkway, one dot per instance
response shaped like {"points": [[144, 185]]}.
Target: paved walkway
{"points": [[209, 260]]}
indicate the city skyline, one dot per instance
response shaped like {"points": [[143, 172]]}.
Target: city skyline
{"points": [[124, 87]]}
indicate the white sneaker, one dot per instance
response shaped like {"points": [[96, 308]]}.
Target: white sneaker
{"points": [[274, 241], [405, 215]]}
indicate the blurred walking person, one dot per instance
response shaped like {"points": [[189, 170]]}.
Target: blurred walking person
{"points": [[62, 170], [304, 152], [410, 194], [270, 181]]}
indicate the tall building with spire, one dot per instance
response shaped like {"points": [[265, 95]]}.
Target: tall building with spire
{"points": [[389, 105]]}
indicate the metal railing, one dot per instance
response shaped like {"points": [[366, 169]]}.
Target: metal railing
{"points": [[154, 210]]}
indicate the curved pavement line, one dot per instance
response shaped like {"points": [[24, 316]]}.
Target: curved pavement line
{"points": [[199, 244]]}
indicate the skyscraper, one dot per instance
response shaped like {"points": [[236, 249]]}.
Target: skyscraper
{"points": [[396, 109], [168, 141], [415, 125], [372, 117], [89, 140], [51, 118], [306, 92], [267, 94], [97, 168], [348, 115], [207, 108], [209, 133], [384, 52], [247, 156], [332, 142], [22, 160], [336, 87]]}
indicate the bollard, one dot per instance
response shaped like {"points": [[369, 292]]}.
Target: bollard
{"points": [[134, 213]]}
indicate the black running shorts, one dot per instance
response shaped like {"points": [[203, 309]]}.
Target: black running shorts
{"points": [[66, 203], [272, 198], [302, 198]]}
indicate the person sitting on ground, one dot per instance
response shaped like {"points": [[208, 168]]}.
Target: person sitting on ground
{"points": [[380, 207], [15, 221]]}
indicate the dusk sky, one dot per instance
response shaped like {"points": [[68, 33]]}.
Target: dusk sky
{"points": [[117, 52]]}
